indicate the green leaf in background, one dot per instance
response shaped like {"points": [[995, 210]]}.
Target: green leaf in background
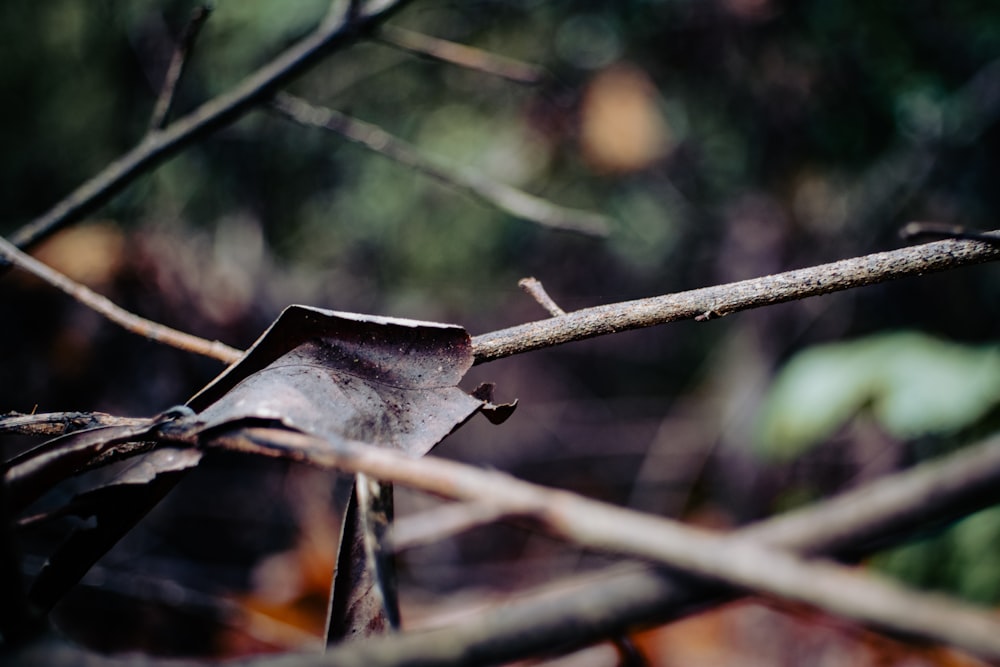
{"points": [[913, 385], [956, 561]]}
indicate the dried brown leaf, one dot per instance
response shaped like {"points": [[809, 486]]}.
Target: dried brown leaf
{"points": [[117, 506], [363, 600], [30, 475], [389, 382], [341, 376]]}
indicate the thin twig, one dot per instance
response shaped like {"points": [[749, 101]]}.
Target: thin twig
{"points": [[913, 231], [57, 423], [737, 561], [699, 304], [464, 56], [117, 314], [211, 115], [504, 197], [185, 45], [534, 287], [441, 523], [720, 300], [621, 597]]}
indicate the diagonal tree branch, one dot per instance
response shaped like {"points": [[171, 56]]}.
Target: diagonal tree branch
{"points": [[504, 197], [720, 300], [115, 313], [571, 613], [461, 55], [161, 110], [700, 304], [739, 561], [623, 597], [929, 231], [440, 523], [222, 110], [57, 423]]}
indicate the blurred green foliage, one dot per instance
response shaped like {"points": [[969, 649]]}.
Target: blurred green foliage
{"points": [[960, 560], [913, 385]]}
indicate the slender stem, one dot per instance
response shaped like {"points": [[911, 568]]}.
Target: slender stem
{"points": [[57, 423], [739, 561], [438, 524], [161, 110], [700, 304], [534, 287], [936, 230], [589, 608], [720, 300], [117, 314], [461, 55], [504, 197]]}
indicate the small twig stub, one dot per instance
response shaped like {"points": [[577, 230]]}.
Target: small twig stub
{"points": [[534, 287]]}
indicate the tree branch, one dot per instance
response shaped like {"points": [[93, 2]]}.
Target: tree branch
{"points": [[720, 300], [534, 288], [220, 111], [440, 523], [51, 424], [927, 231], [740, 561], [504, 197], [161, 110], [700, 304], [585, 610], [117, 314], [461, 55]]}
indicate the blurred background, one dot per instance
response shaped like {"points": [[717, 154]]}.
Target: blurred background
{"points": [[724, 139]]}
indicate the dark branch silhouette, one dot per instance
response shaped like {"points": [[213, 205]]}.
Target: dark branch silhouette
{"points": [[504, 197], [218, 112]]}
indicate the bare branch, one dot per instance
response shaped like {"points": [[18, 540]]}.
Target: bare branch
{"points": [[739, 561], [572, 613], [700, 304], [504, 197], [720, 300], [440, 523], [117, 314], [220, 111], [625, 596], [534, 287], [58, 423], [461, 55], [161, 111], [913, 231]]}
